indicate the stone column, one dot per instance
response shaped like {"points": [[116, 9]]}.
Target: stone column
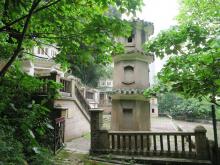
{"points": [[201, 143], [73, 84], [99, 136]]}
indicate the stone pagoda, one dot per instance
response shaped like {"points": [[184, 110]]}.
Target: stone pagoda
{"points": [[130, 109]]}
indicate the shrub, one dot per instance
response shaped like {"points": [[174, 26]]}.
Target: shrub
{"points": [[178, 106], [24, 122]]}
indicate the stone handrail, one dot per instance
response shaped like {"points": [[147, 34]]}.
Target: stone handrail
{"points": [[69, 89], [66, 85], [173, 144], [147, 143], [82, 100], [105, 102]]}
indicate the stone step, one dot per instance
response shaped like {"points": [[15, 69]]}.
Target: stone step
{"points": [[148, 160]]}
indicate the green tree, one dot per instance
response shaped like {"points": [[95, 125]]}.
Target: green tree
{"points": [[177, 106], [168, 102], [194, 49], [82, 29], [91, 73], [25, 123]]}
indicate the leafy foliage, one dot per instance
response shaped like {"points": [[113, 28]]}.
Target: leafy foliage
{"points": [[25, 122], [84, 30], [91, 73], [177, 106], [194, 49]]}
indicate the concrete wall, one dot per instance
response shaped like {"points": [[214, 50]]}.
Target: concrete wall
{"points": [[76, 123]]}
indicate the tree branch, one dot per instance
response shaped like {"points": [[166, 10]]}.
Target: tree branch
{"points": [[20, 41], [23, 17]]}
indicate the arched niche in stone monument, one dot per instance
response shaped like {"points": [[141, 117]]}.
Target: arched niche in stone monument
{"points": [[128, 75]]}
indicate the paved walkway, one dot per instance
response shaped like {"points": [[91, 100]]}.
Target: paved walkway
{"points": [[79, 145], [189, 126]]}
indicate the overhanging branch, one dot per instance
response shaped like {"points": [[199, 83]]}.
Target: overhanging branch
{"points": [[20, 41], [25, 16]]}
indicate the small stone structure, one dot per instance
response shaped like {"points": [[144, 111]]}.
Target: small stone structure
{"points": [[153, 107], [130, 109]]}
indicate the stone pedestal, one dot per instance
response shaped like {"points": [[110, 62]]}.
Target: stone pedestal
{"points": [[201, 143], [99, 136]]}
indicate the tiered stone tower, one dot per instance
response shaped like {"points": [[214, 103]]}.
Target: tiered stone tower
{"points": [[130, 109]]}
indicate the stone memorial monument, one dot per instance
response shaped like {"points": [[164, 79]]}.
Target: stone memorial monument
{"points": [[130, 109]]}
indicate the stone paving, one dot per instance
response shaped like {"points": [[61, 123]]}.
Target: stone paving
{"points": [[79, 145], [189, 126]]}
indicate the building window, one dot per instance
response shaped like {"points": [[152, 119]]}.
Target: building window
{"points": [[53, 53], [89, 95], [109, 99], [38, 50], [101, 95], [42, 51], [46, 51], [109, 83], [103, 83], [152, 110], [130, 39]]}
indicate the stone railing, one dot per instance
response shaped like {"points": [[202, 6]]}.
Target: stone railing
{"points": [[146, 143], [173, 144], [66, 85], [69, 89], [105, 102], [82, 100]]}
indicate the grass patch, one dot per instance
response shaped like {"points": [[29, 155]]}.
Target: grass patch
{"points": [[65, 157]]}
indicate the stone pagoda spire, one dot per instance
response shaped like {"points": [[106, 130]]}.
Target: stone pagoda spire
{"points": [[130, 109]]}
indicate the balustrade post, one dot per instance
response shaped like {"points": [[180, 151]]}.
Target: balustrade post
{"points": [[99, 137], [201, 143], [56, 77], [73, 84]]}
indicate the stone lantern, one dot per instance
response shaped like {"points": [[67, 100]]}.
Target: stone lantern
{"points": [[130, 109]]}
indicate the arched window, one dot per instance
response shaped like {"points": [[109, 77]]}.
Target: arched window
{"points": [[152, 110], [128, 75]]}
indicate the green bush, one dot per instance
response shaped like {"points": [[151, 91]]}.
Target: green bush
{"points": [[11, 150], [24, 122], [177, 106]]}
